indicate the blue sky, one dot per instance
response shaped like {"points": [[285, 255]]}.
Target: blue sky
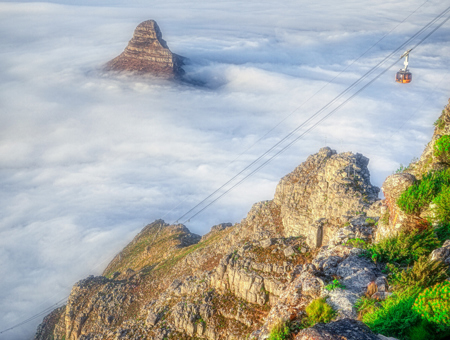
{"points": [[87, 159]]}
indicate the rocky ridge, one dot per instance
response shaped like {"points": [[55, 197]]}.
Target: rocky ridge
{"points": [[148, 53], [238, 281]]}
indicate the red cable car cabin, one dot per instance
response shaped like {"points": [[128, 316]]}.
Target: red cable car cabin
{"points": [[403, 77]]}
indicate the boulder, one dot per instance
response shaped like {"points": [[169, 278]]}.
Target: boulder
{"points": [[342, 329], [442, 254], [356, 272]]}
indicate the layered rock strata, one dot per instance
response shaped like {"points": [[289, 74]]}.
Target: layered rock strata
{"points": [[148, 53]]}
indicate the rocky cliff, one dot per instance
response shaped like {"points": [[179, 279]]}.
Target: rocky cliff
{"points": [[395, 219], [240, 281], [148, 53]]}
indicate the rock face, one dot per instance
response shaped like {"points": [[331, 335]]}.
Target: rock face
{"points": [[238, 280], [323, 193], [148, 53], [51, 325], [394, 219], [428, 161], [343, 329]]}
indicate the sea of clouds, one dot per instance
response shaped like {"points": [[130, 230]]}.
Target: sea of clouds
{"points": [[87, 159]]}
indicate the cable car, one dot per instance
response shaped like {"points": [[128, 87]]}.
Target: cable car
{"points": [[404, 76]]}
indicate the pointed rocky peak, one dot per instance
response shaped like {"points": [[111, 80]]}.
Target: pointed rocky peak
{"points": [[148, 53]]}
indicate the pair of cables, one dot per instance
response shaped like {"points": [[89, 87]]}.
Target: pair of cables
{"points": [[291, 137], [288, 138]]}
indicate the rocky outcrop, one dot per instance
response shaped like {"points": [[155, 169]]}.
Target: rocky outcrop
{"points": [[343, 329], [49, 325], [152, 245], [323, 193], [395, 219], [148, 53], [237, 279], [441, 254], [428, 161]]}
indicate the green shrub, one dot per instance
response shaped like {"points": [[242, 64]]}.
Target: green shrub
{"points": [[335, 284], [442, 148], [319, 311], [422, 192], [356, 243], [425, 273], [280, 331], [405, 248], [442, 205], [401, 169], [421, 332], [395, 316], [433, 304], [443, 232], [366, 305]]}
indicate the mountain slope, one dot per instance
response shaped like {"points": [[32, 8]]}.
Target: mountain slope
{"points": [[239, 281]]}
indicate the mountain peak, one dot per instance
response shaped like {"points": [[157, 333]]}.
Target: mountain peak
{"points": [[147, 53]]}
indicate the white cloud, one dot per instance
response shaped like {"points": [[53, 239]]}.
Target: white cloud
{"points": [[87, 159]]}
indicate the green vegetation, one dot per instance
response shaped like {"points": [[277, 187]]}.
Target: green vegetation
{"points": [[366, 305], [419, 309], [442, 205], [420, 332], [280, 331], [335, 284], [400, 169], [370, 221], [356, 243], [318, 311], [440, 123], [443, 232], [433, 304], [423, 274], [424, 191], [395, 316], [442, 148], [405, 248]]}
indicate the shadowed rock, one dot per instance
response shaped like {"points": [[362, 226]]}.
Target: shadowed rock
{"points": [[148, 53], [343, 329]]}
